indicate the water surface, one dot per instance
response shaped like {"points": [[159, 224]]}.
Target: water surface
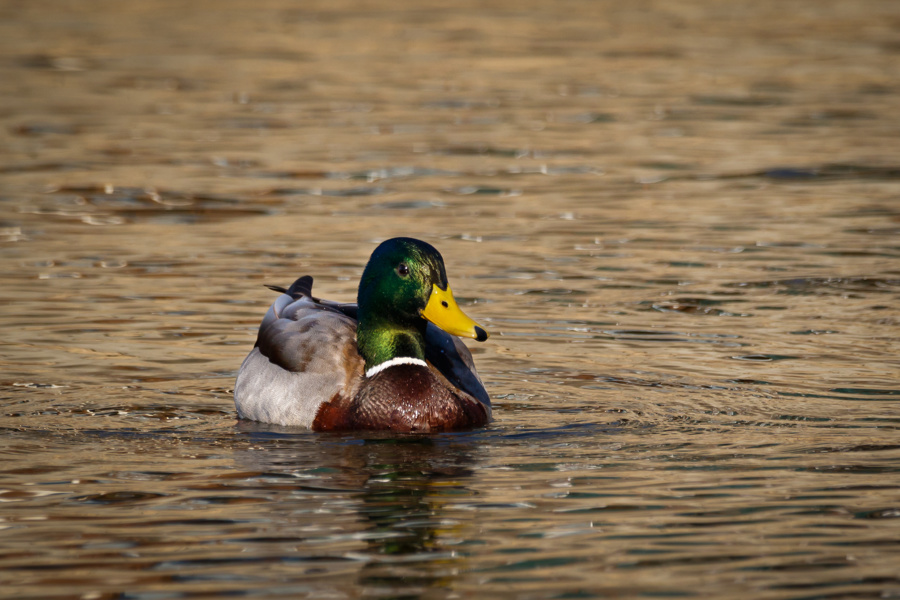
{"points": [[678, 220]]}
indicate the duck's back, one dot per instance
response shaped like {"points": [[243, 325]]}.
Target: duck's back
{"points": [[304, 356]]}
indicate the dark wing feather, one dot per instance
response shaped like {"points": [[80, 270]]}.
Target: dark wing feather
{"points": [[451, 357]]}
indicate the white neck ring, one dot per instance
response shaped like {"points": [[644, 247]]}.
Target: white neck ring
{"points": [[400, 360]]}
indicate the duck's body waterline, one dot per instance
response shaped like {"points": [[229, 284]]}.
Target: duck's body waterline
{"points": [[382, 364]]}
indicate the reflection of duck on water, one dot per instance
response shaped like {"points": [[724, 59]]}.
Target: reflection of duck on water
{"points": [[390, 362], [379, 502]]}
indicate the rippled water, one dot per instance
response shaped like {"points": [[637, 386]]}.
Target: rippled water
{"points": [[681, 222]]}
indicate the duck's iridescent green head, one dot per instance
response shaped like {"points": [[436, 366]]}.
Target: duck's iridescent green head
{"points": [[404, 284]]}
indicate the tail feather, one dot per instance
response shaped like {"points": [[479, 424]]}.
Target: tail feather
{"points": [[300, 288]]}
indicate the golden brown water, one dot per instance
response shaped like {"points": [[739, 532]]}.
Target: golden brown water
{"points": [[680, 220]]}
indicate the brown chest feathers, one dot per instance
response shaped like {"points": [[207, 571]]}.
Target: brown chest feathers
{"points": [[403, 398]]}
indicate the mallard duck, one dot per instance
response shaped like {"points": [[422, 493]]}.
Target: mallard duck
{"points": [[392, 361]]}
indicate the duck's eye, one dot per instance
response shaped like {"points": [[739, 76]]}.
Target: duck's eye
{"points": [[402, 270]]}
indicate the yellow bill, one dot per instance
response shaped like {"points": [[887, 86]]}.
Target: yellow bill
{"points": [[443, 311]]}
